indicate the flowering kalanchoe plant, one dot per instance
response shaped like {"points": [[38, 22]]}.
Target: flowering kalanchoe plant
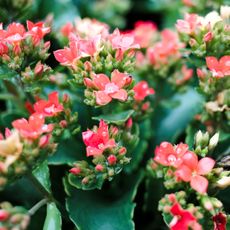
{"points": [[29, 142], [109, 157], [13, 217]]}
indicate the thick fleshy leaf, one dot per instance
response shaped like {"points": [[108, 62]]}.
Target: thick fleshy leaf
{"points": [[42, 175], [67, 152], [199, 183], [93, 210], [53, 218], [117, 118]]}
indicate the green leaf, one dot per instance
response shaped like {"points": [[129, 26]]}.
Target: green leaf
{"points": [[42, 175], [6, 118], [93, 210], [53, 218], [118, 118], [170, 123], [6, 73], [67, 152]]}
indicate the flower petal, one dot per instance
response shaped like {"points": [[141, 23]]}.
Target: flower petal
{"points": [[120, 95], [191, 160], [102, 98], [100, 81], [184, 173], [92, 151], [205, 165], [199, 183], [119, 78]]}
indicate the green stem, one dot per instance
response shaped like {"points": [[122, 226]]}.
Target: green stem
{"points": [[37, 206]]}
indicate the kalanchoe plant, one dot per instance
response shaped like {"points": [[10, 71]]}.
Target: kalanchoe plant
{"points": [[84, 104]]}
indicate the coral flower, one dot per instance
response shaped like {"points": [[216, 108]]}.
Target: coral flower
{"points": [[109, 89], [182, 218], [33, 128], [142, 90], [49, 108], [193, 171], [98, 141], [219, 68], [169, 155]]}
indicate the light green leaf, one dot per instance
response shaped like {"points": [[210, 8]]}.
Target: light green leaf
{"points": [[93, 210], [118, 118], [53, 219]]}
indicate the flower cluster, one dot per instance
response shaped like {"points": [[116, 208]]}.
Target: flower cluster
{"points": [[99, 60], [16, 42], [13, 217], [109, 156], [207, 39]]}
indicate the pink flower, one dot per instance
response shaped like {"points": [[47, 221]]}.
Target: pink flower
{"points": [[33, 128], [169, 155], [37, 31], [182, 219], [189, 25], [109, 89], [144, 33], [78, 48], [67, 29], [193, 171], [142, 90], [98, 141], [122, 43], [219, 68], [49, 108], [208, 37], [186, 75], [15, 33]]}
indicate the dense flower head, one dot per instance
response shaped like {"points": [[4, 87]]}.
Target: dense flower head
{"points": [[142, 90], [32, 128], [105, 89], [219, 68], [193, 170], [49, 108], [169, 155], [98, 141]]}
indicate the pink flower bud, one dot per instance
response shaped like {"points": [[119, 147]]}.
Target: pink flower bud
{"points": [[88, 66], [114, 130], [192, 42], [112, 160], [99, 168], [129, 80], [129, 123], [85, 180], [122, 151], [44, 141], [65, 98], [208, 37], [75, 171], [63, 123], [4, 215], [47, 45], [39, 68], [172, 197], [200, 73], [119, 55], [145, 106]]}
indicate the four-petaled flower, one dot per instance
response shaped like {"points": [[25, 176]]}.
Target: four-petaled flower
{"points": [[193, 171], [32, 128], [169, 155], [49, 108], [142, 90], [219, 68], [182, 218], [109, 89], [98, 141]]}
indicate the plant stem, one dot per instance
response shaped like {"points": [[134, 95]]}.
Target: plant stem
{"points": [[37, 206]]}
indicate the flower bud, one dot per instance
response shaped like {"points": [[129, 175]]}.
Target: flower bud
{"points": [[129, 123], [99, 168], [122, 151], [75, 171], [63, 123], [4, 215], [112, 160], [213, 141], [208, 37], [224, 182], [39, 68], [88, 66]]}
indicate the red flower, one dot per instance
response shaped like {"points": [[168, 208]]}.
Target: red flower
{"points": [[220, 221], [182, 218], [33, 128], [98, 141], [37, 31], [169, 155], [219, 68], [142, 90], [109, 89], [49, 108], [193, 170]]}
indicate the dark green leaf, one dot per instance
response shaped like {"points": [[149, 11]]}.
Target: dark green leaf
{"points": [[53, 218], [118, 118], [93, 210]]}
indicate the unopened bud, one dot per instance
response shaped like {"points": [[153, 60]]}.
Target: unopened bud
{"points": [[99, 168], [112, 160], [213, 141], [122, 151], [63, 123], [129, 123], [75, 171], [85, 180], [38, 70], [224, 182], [208, 37], [4, 215], [88, 66], [65, 98]]}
